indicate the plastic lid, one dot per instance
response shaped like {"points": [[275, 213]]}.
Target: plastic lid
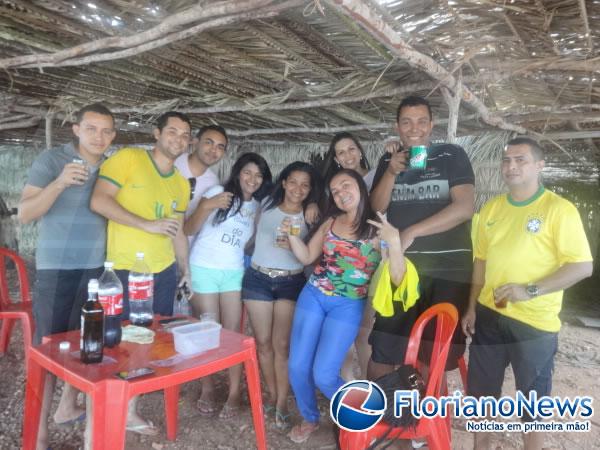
{"points": [[108, 264], [93, 285], [64, 345], [139, 255]]}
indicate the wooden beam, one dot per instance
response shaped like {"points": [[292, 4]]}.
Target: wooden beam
{"points": [[586, 26], [384, 32], [221, 13], [49, 123], [453, 102], [568, 135], [33, 121]]}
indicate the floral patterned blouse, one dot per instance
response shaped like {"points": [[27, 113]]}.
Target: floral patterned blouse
{"points": [[345, 267]]}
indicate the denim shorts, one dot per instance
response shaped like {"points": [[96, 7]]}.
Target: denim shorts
{"points": [[206, 280], [260, 286], [500, 340]]}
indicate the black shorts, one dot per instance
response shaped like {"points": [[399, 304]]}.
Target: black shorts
{"points": [[389, 337], [58, 296], [260, 286], [500, 340]]}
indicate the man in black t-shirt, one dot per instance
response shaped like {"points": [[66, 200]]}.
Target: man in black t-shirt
{"points": [[432, 208]]}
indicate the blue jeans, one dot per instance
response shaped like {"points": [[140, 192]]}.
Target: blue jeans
{"points": [[165, 285], [323, 330]]}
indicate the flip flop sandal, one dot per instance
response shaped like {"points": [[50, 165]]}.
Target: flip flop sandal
{"points": [[268, 409], [79, 419], [282, 421], [229, 411], [146, 429], [206, 407], [300, 433]]}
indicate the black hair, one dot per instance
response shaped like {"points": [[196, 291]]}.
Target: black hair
{"points": [[217, 128], [361, 227], [233, 184], [163, 119], [536, 149], [278, 194], [330, 166], [97, 108], [414, 100]]}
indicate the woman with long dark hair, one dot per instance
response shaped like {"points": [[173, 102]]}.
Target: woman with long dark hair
{"points": [[330, 306], [275, 278], [346, 152], [217, 281]]}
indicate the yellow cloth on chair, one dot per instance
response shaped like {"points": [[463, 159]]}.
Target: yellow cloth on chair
{"points": [[407, 292]]}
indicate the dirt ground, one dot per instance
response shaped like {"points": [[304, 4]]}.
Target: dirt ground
{"points": [[576, 373]]}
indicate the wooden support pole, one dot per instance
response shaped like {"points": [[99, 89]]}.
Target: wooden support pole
{"points": [[453, 101], [49, 128]]}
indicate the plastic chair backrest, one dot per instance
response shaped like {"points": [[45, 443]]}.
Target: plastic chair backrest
{"points": [[446, 317], [5, 297]]}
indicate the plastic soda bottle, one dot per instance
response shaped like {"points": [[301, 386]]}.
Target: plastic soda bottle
{"points": [[110, 294], [91, 344], [141, 292]]}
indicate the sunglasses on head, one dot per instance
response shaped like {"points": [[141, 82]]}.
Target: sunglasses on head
{"points": [[192, 187]]}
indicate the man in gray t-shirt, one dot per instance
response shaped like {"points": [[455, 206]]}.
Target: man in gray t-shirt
{"points": [[72, 239]]}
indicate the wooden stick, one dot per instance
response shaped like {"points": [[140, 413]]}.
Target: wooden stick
{"points": [[379, 28], [20, 124], [49, 124], [201, 11]]}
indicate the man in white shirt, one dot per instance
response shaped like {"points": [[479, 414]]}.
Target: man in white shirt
{"points": [[209, 147]]}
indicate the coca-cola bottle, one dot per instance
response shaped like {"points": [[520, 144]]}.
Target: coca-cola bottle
{"points": [[91, 344], [110, 294], [141, 292]]}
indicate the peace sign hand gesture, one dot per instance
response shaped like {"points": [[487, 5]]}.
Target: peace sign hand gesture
{"points": [[386, 231]]}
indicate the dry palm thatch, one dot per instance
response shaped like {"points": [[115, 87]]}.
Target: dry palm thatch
{"points": [[297, 70]]}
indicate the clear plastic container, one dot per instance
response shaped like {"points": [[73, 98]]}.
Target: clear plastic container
{"points": [[196, 337]]}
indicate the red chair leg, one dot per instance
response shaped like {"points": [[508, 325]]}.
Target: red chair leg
{"points": [[353, 440], [7, 326], [438, 438]]}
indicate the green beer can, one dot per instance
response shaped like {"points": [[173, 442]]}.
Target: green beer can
{"points": [[418, 157]]}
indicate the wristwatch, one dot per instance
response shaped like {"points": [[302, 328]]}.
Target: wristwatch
{"points": [[532, 290]]}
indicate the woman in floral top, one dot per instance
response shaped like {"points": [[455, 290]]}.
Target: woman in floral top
{"points": [[330, 307]]}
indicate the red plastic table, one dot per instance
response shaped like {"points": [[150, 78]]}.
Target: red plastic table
{"points": [[110, 395]]}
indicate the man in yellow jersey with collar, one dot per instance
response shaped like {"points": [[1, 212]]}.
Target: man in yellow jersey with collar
{"points": [[144, 197], [530, 245]]}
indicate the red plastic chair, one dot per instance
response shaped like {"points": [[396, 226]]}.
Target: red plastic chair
{"points": [[435, 429], [11, 309]]}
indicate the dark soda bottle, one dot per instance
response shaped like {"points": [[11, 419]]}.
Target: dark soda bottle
{"points": [[91, 345], [110, 294]]}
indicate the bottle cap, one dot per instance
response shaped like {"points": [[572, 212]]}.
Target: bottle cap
{"points": [[64, 345], [139, 255], [93, 285], [109, 264]]}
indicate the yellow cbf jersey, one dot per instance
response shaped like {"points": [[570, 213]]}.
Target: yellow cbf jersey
{"points": [[523, 242], [147, 193]]}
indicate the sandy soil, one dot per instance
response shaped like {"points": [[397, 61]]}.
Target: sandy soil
{"points": [[577, 372]]}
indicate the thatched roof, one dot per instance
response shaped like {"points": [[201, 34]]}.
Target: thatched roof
{"points": [[296, 70]]}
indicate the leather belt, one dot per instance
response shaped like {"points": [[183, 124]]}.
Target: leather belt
{"points": [[273, 273]]}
